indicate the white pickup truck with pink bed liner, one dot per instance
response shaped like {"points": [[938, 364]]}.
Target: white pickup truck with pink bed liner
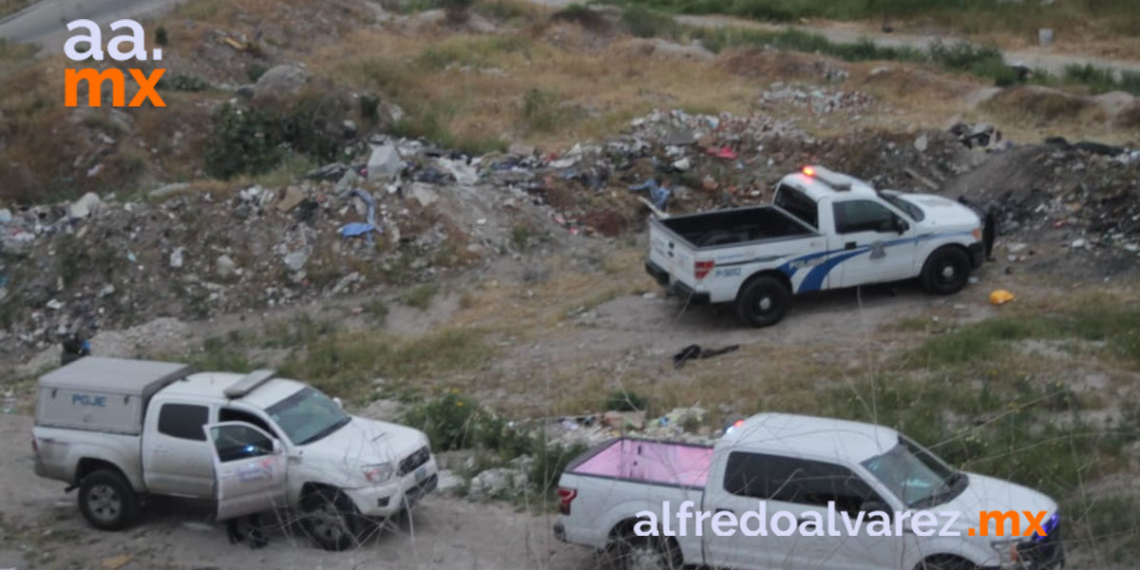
{"points": [[796, 464]]}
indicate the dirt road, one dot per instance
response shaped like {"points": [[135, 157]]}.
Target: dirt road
{"points": [[41, 528]]}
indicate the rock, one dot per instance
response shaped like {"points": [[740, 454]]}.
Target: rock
{"points": [[521, 150], [682, 164], [921, 143], [84, 206], [424, 194], [497, 483], [5, 216], [224, 266], [448, 481], [292, 197], [55, 304], [168, 189], [280, 80], [1077, 244], [107, 291], [463, 173], [385, 163], [345, 282], [176, 257], [296, 259]]}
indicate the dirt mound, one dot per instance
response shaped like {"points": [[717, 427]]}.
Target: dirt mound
{"points": [[781, 65], [1043, 106]]}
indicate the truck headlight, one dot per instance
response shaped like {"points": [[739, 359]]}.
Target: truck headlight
{"points": [[378, 473], [1006, 549]]}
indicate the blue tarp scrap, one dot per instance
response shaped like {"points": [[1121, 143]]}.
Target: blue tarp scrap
{"points": [[658, 195], [356, 229]]}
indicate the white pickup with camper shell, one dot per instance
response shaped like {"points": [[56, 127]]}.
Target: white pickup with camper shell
{"points": [[120, 430], [824, 230]]}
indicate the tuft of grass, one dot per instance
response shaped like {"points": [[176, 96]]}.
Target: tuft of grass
{"points": [[621, 400], [345, 363], [1102, 79], [421, 296]]}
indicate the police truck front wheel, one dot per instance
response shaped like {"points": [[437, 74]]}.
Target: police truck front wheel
{"points": [[762, 302], [946, 271]]}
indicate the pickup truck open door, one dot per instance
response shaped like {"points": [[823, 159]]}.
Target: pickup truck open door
{"points": [[249, 469]]}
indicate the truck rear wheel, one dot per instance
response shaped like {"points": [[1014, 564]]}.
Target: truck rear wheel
{"points": [[946, 271], [762, 302], [107, 500], [330, 519]]}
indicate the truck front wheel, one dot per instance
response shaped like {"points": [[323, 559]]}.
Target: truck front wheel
{"points": [[628, 552], [330, 519], [762, 302], [946, 271], [107, 500]]}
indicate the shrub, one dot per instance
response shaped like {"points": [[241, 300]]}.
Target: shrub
{"points": [[624, 401], [178, 82], [447, 421], [244, 141], [160, 36]]}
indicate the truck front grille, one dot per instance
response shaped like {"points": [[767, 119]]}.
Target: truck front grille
{"points": [[411, 462]]}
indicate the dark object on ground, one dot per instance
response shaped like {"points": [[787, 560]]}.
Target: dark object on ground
{"points": [[1098, 148], [694, 351], [253, 530], [74, 348]]}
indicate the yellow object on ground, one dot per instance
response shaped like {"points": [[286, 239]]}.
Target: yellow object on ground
{"points": [[1001, 297]]}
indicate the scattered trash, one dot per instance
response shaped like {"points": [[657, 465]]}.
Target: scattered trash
{"points": [[658, 195], [1000, 297]]}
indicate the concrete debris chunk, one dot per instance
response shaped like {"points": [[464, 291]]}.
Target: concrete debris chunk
{"points": [[385, 164]]}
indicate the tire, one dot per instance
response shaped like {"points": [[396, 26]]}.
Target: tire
{"points": [[762, 302], [946, 271], [107, 500], [640, 553], [330, 519], [945, 563]]}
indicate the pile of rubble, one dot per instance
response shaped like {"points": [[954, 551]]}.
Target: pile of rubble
{"points": [[818, 101]]}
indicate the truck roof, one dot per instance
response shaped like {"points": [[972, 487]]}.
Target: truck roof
{"points": [[114, 375], [212, 386], [818, 182], [810, 435]]}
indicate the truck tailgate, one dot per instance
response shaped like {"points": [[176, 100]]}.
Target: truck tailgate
{"points": [[670, 253]]}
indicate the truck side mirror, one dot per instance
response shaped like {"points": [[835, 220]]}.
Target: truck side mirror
{"points": [[901, 226], [277, 448], [872, 505]]}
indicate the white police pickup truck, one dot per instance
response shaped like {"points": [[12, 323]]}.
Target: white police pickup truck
{"points": [[788, 492], [120, 430], [824, 230]]}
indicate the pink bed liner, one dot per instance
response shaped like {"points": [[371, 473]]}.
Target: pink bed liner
{"points": [[651, 462]]}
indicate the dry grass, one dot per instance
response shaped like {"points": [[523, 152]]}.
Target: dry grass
{"points": [[475, 85]]}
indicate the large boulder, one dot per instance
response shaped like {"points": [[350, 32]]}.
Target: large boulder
{"points": [[280, 80]]}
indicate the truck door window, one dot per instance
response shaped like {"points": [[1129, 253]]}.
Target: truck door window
{"points": [[798, 204], [240, 442], [232, 415], [800, 481], [863, 216], [183, 421]]}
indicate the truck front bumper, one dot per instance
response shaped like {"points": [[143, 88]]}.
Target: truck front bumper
{"points": [[383, 501], [675, 287]]}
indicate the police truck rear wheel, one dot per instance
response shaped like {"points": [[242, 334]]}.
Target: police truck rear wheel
{"points": [[107, 500], [762, 302]]}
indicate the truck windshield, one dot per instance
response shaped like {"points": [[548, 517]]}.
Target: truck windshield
{"points": [[916, 476], [307, 416], [903, 204]]}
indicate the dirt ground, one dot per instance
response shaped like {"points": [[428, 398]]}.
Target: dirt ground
{"points": [[443, 533]]}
